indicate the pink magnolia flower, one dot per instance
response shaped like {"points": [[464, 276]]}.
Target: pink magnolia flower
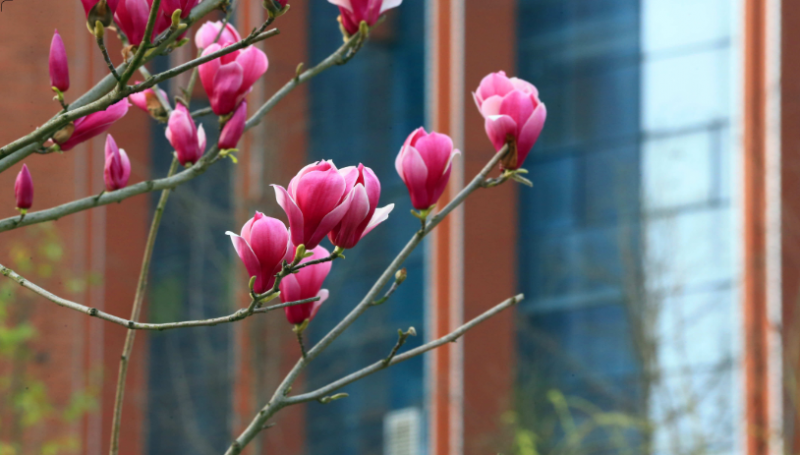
{"points": [[424, 164], [363, 214], [305, 284], [208, 32], [170, 6], [94, 124], [513, 114], [132, 16], [262, 247], [59, 66], [23, 189], [355, 11], [147, 101], [117, 170], [234, 128], [316, 201], [228, 79], [188, 140]]}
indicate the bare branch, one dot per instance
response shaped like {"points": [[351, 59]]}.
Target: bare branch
{"points": [[93, 312], [393, 360]]}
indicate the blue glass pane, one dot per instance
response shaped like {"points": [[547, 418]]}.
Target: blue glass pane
{"points": [[579, 248], [189, 384], [362, 112]]}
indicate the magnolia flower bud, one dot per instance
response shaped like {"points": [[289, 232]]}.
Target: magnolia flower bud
{"points": [[353, 12], [59, 66], [188, 141], [226, 84], [262, 247], [424, 164], [233, 129], [117, 170], [23, 189], [514, 115]]}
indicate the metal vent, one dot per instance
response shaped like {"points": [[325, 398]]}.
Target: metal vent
{"points": [[401, 432]]}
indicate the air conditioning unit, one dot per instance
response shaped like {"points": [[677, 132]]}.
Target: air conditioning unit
{"points": [[402, 432]]}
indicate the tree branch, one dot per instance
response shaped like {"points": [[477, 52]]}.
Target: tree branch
{"points": [[393, 360], [155, 185], [127, 323]]}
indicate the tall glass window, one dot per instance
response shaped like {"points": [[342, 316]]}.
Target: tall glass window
{"points": [[361, 112], [630, 251]]}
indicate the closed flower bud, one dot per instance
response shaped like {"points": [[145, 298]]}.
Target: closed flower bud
{"points": [[262, 247], [305, 284], [23, 189], [228, 79], [92, 125], [513, 115], [354, 11], [424, 164], [316, 201], [59, 66], [209, 31], [188, 141], [117, 170], [234, 128], [363, 215]]}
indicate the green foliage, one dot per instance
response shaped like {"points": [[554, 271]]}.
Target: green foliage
{"points": [[580, 428], [25, 402]]}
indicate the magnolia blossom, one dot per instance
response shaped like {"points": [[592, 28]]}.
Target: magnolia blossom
{"points": [[59, 66], [23, 189], [229, 78], [117, 170], [363, 215], [262, 246], [147, 101], [513, 115], [234, 128], [316, 201], [132, 17], [208, 32], [354, 11], [305, 284], [188, 141], [424, 165], [90, 126]]}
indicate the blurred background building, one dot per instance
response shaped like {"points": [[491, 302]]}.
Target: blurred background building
{"points": [[658, 250]]}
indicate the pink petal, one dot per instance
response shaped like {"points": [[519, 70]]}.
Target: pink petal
{"points": [[494, 84], [227, 82], [323, 296], [530, 133], [248, 257], [499, 128], [293, 212], [380, 215], [519, 106], [491, 106], [330, 221], [389, 4], [254, 64], [319, 192], [208, 70], [342, 4], [416, 173]]}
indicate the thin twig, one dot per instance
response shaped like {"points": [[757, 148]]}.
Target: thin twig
{"points": [[137, 308], [102, 45], [127, 323], [401, 340], [399, 278], [380, 365], [138, 59]]}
